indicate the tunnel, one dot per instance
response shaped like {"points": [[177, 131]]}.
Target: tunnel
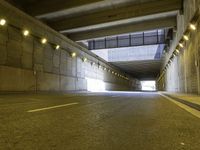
{"points": [[99, 74]]}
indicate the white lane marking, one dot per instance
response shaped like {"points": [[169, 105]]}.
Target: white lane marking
{"points": [[114, 96], [52, 107], [185, 107], [182, 143]]}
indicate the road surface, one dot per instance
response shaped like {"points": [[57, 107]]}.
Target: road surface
{"points": [[95, 121]]}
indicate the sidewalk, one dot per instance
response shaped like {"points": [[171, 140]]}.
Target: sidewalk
{"points": [[195, 99], [189, 102]]}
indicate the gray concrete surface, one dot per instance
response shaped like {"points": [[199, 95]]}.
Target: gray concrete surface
{"points": [[28, 65], [183, 74], [99, 121]]}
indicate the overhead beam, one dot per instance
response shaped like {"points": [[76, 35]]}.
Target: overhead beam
{"points": [[122, 29], [116, 14], [49, 6]]}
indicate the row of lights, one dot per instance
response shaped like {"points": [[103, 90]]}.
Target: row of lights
{"points": [[192, 27], [26, 33]]}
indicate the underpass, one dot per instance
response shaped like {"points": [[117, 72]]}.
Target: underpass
{"points": [[99, 74]]}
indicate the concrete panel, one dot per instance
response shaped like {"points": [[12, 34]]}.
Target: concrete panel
{"points": [[14, 52], [15, 79], [27, 60], [48, 65], [27, 45], [47, 82], [14, 34], [68, 83], [3, 35], [3, 55], [56, 60], [38, 53], [81, 84]]}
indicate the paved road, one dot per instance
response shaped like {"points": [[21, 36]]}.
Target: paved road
{"points": [[104, 121]]}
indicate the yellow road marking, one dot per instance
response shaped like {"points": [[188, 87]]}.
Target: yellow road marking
{"points": [[185, 107], [52, 107]]}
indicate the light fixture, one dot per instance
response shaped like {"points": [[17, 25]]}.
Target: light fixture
{"points": [[105, 68], [2, 22], [84, 59], [193, 26], [181, 45], [73, 54], [177, 51], [99, 66], [92, 63], [26, 32], [113, 72], [43, 40], [57, 47], [186, 37]]}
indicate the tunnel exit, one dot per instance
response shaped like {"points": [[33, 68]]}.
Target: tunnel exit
{"points": [[94, 85], [148, 85]]}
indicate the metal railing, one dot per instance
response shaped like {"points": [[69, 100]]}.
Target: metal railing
{"points": [[129, 40]]}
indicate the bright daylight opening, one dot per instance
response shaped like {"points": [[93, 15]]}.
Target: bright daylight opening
{"points": [[94, 85], [148, 85]]}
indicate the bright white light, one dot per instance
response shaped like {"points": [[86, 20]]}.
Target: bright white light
{"points": [[181, 45], [57, 47], [193, 26], [177, 51], [73, 54], [94, 85], [25, 32], [43, 40], [2, 22], [148, 85], [186, 37]]}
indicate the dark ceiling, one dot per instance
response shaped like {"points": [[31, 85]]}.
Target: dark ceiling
{"points": [[143, 70]]}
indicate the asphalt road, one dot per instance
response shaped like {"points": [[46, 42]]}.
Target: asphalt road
{"points": [[104, 121]]}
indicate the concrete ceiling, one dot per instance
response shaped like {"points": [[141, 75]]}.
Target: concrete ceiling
{"points": [[88, 19], [143, 70], [80, 19]]}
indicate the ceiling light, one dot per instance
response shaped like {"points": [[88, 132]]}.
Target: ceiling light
{"points": [[186, 37], [181, 45], [43, 40], [193, 26], [73, 54], [26, 32], [57, 47], [2, 22], [84, 59], [177, 51]]}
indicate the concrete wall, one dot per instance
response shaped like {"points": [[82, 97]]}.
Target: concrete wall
{"points": [[27, 65], [183, 73]]}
